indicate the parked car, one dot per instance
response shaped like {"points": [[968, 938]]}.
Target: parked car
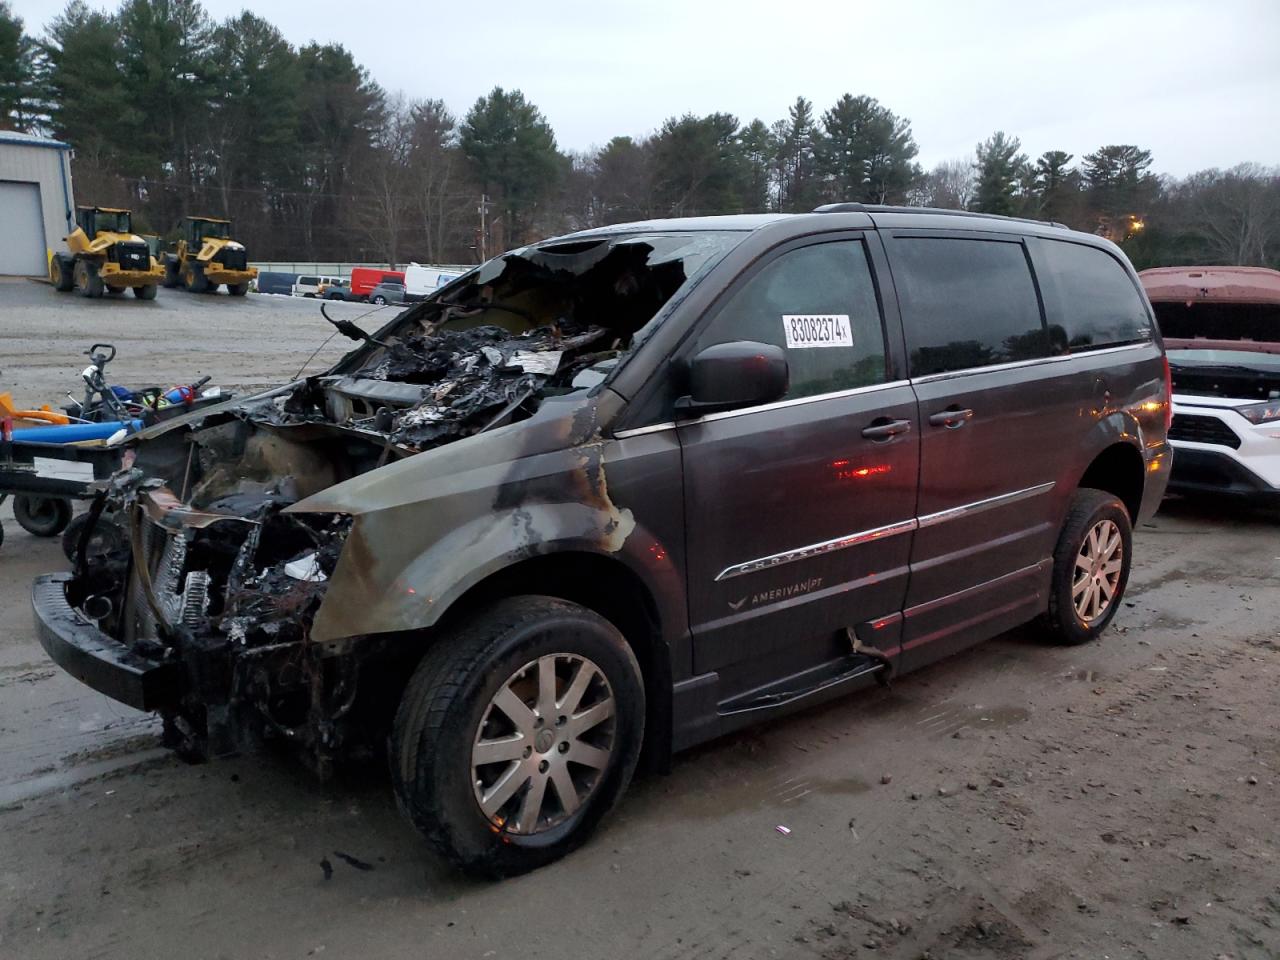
{"points": [[309, 286], [341, 290], [363, 280], [1222, 330], [275, 282], [420, 281], [628, 490], [387, 292]]}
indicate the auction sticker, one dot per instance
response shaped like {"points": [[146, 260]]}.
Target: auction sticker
{"points": [[806, 330]]}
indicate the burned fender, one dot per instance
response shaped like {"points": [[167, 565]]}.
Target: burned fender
{"points": [[429, 528]]}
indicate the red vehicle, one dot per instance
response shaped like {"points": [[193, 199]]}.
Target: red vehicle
{"points": [[363, 280]]}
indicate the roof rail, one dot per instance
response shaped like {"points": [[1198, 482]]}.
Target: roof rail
{"points": [[937, 211], [841, 208]]}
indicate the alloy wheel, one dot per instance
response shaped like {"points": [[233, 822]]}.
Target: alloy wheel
{"points": [[544, 744], [1097, 571]]}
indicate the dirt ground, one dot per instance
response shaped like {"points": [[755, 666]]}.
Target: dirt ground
{"points": [[1019, 801]]}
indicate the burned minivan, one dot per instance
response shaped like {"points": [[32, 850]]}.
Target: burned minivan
{"points": [[612, 495]]}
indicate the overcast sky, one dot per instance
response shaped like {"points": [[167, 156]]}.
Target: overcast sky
{"points": [[1197, 83]]}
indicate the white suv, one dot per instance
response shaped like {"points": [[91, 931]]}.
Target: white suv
{"points": [[1221, 327]]}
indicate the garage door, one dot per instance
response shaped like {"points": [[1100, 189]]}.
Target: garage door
{"points": [[22, 246]]}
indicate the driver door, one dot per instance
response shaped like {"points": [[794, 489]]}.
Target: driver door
{"points": [[801, 512]]}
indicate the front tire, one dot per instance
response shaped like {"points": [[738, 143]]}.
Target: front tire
{"points": [[62, 273], [380, 300], [517, 734], [193, 278], [1090, 568], [42, 516], [88, 281]]}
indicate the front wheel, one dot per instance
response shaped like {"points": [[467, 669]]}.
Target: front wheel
{"points": [[61, 273], [1090, 567], [380, 300], [42, 516], [517, 734]]}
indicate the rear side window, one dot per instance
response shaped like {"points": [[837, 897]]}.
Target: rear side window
{"points": [[966, 303], [1093, 301], [308, 281], [819, 304]]}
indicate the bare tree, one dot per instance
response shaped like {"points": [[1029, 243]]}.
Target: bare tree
{"points": [[381, 207], [950, 185], [1237, 211]]}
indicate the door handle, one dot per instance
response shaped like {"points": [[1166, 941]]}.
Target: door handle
{"points": [[886, 430], [953, 418]]}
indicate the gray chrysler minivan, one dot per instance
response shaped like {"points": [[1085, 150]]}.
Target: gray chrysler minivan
{"points": [[615, 494]]}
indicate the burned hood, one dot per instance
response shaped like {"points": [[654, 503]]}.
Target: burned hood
{"points": [[485, 458]]}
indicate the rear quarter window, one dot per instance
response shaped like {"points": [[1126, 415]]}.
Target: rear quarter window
{"points": [[1091, 300], [966, 303]]}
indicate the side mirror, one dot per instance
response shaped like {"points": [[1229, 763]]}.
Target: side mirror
{"points": [[726, 376]]}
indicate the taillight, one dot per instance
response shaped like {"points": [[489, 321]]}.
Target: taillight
{"points": [[1168, 396]]}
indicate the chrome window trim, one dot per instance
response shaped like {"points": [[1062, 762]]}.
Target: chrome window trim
{"points": [[880, 533], [817, 549], [761, 408], [1037, 361]]}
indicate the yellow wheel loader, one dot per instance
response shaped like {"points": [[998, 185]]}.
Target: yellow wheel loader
{"points": [[207, 257], [105, 256]]}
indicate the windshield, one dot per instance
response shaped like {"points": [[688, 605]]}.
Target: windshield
{"points": [[1225, 358], [108, 222], [205, 231], [541, 321]]}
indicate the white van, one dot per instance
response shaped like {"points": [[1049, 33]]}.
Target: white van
{"points": [[423, 279], [309, 286]]}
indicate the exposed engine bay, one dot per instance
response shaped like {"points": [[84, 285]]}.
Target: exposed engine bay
{"points": [[189, 555]]}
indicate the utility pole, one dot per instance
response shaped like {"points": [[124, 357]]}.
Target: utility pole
{"points": [[483, 210]]}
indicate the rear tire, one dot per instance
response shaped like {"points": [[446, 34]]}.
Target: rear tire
{"points": [[379, 300], [62, 273], [146, 293], [1090, 568], [238, 289], [42, 516], [172, 276], [489, 680]]}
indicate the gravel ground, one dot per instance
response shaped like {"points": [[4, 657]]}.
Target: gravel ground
{"points": [[1018, 801]]}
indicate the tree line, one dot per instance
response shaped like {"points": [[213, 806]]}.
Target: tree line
{"points": [[173, 113]]}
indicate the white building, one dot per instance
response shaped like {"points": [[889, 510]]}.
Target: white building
{"points": [[36, 208]]}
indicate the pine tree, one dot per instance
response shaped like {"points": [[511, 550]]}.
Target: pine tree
{"points": [[868, 154], [1000, 167]]}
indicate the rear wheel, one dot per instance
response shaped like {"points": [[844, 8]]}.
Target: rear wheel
{"points": [[61, 273], [193, 278], [1090, 567], [146, 293], [380, 300], [42, 516], [88, 282], [517, 734], [238, 289]]}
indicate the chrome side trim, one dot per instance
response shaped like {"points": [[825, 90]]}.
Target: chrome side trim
{"points": [[817, 549], [764, 407], [1038, 361], [978, 506], [880, 533]]}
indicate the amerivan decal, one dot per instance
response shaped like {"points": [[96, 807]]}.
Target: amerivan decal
{"points": [[777, 593]]}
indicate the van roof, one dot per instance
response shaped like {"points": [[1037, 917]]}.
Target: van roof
{"points": [[880, 216]]}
